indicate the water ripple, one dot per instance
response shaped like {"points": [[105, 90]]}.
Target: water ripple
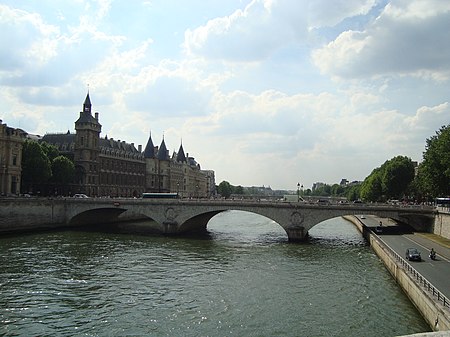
{"points": [[235, 282]]}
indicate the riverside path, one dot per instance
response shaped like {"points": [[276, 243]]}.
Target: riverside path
{"points": [[437, 272]]}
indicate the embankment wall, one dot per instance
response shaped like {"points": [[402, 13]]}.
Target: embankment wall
{"points": [[442, 224], [434, 313], [40, 214]]}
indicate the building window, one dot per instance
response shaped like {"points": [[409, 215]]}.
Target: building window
{"points": [[14, 160]]}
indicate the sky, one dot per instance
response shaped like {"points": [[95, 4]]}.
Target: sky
{"points": [[268, 93]]}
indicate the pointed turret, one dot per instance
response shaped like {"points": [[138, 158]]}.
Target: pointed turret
{"points": [[87, 104], [181, 157], [163, 154], [149, 151]]}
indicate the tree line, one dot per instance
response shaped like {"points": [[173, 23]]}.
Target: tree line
{"points": [[398, 178], [44, 170]]}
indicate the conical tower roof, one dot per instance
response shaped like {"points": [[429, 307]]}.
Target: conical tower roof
{"points": [[162, 152], [181, 157], [87, 104], [149, 151]]}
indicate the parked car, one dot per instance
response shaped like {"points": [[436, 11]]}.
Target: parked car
{"points": [[412, 254]]}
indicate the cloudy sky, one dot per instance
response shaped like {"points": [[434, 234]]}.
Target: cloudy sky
{"points": [[263, 92]]}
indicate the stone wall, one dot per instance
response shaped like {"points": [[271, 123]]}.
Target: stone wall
{"points": [[40, 214], [442, 224], [432, 311]]}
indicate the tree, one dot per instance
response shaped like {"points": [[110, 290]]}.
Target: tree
{"points": [[353, 192], [238, 190], [433, 178], [337, 190], [371, 189], [63, 170], [389, 181], [225, 189], [36, 168], [398, 173], [50, 150]]}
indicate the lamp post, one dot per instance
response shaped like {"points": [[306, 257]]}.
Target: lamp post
{"points": [[298, 192]]}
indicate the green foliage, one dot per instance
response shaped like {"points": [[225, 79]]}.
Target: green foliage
{"points": [[371, 189], [390, 181], [50, 151], [36, 167], [63, 170], [238, 190], [225, 189], [433, 178], [353, 192], [398, 173]]}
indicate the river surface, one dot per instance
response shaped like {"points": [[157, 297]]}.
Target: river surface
{"points": [[242, 279]]}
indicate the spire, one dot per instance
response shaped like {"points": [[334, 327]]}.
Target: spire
{"points": [[87, 104], [162, 152], [149, 151], [181, 157]]}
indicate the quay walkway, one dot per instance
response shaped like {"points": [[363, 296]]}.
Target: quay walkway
{"points": [[426, 283]]}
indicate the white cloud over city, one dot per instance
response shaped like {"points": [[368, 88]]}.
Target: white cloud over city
{"points": [[263, 92]]}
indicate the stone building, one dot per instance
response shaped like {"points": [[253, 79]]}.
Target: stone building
{"points": [[178, 173], [11, 141], [108, 167]]}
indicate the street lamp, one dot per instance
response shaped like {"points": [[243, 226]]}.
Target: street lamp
{"points": [[298, 192]]}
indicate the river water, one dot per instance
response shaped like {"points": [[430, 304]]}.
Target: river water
{"points": [[242, 279]]}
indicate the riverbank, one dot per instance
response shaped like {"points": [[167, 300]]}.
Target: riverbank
{"points": [[434, 313]]}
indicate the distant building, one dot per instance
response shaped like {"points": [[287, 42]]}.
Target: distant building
{"points": [[11, 141], [344, 182], [108, 167], [317, 185]]}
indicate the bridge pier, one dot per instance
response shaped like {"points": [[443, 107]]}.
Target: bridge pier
{"points": [[296, 233], [170, 228]]}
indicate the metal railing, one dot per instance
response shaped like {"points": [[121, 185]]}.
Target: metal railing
{"points": [[415, 275]]}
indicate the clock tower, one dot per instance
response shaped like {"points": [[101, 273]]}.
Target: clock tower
{"points": [[87, 149]]}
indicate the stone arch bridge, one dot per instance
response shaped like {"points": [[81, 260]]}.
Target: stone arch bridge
{"points": [[179, 216]]}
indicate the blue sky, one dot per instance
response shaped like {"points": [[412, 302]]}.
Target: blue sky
{"points": [[263, 92]]}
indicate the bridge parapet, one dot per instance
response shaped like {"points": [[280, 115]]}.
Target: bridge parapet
{"points": [[185, 215]]}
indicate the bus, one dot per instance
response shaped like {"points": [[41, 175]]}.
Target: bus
{"points": [[160, 195], [443, 202]]}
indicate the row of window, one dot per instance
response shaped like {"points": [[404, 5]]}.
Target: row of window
{"points": [[121, 179], [120, 153], [121, 165]]}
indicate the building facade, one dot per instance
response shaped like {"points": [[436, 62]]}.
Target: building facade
{"points": [[11, 141], [108, 167]]}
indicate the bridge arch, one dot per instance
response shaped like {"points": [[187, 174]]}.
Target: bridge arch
{"points": [[95, 216], [183, 216]]}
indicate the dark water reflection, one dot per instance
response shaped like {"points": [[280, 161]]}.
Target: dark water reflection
{"points": [[243, 279]]}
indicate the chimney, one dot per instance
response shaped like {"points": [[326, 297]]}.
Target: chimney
{"points": [[140, 148], [96, 116]]}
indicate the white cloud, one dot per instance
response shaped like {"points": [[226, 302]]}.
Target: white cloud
{"points": [[246, 99], [26, 40], [246, 35], [404, 40]]}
